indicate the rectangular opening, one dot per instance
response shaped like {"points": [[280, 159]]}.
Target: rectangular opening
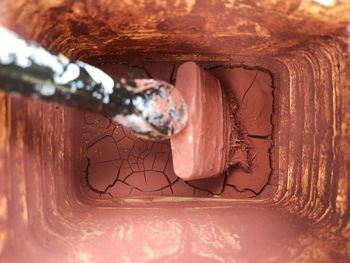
{"points": [[116, 164]]}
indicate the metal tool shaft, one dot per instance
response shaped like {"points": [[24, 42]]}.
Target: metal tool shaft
{"points": [[151, 108]]}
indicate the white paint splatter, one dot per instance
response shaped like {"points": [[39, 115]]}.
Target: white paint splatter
{"points": [[138, 102], [45, 90], [15, 50], [99, 76], [326, 3], [135, 122], [71, 73], [11, 44]]}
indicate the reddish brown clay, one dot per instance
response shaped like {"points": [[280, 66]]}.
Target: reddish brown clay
{"points": [[47, 211], [120, 164], [201, 150], [252, 90]]}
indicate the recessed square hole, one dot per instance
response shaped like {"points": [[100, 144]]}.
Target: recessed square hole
{"points": [[115, 163]]}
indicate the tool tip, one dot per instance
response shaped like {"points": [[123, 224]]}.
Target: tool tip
{"points": [[159, 110]]}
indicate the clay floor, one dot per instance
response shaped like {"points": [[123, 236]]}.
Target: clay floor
{"points": [[119, 164]]}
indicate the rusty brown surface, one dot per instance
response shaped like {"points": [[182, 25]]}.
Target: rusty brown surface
{"points": [[44, 213], [187, 27], [119, 164]]}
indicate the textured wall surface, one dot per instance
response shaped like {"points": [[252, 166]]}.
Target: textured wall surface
{"points": [[188, 27], [44, 213]]}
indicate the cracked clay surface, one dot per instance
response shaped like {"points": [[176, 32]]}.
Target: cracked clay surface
{"points": [[118, 164]]}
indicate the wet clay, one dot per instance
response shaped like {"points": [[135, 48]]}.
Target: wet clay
{"points": [[202, 148], [119, 164], [252, 90]]}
